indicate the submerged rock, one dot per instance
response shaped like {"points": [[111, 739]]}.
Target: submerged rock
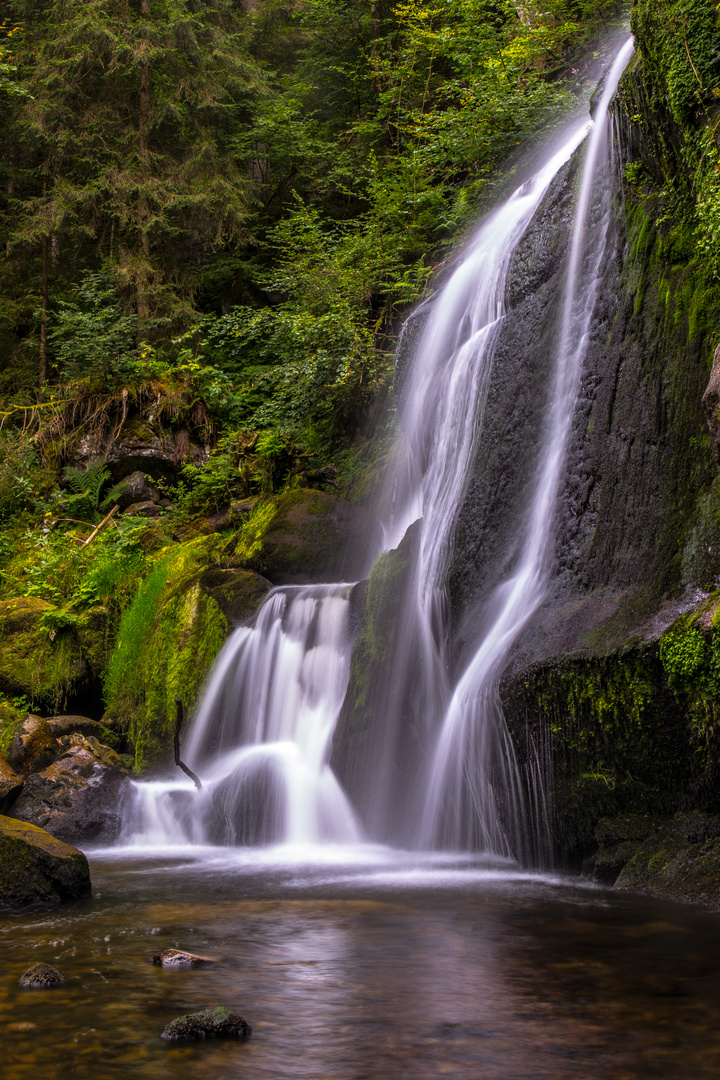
{"points": [[41, 977], [210, 1023], [179, 958], [79, 796], [36, 868]]}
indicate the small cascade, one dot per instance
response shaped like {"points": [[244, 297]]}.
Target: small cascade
{"points": [[261, 739], [474, 796]]}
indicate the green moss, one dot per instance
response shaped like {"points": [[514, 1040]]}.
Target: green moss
{"points": [[40, 655], [166, 643]]}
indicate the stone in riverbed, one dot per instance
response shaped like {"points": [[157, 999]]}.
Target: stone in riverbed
{"points": [[179, 958], [210, 1023], [41, 977], [35, 868], [79, 796]]}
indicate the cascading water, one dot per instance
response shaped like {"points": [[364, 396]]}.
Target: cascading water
{"points": [[473, 769], [262, 737]]}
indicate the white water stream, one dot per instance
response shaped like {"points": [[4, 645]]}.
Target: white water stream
{"points": [[262, 737]]}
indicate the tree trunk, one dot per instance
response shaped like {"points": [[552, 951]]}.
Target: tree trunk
{"points": [[43, 315]]}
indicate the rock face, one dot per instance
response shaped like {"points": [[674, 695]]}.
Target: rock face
{"points": [[10, 785], [210, 1023], [139, 444], [711, 405], [307, 536], [41, 977], [137, 489], [35, 868], [79, 796]]}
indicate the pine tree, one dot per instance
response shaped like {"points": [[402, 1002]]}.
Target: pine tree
{"points": [[129, 125]]}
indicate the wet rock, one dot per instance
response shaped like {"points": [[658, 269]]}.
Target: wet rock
{"points": [[41, 977], [79, 797], [33, 747], [711, 405], [210, 1023], [137, 488], [179, 958], [310, 536], [146, 509], [10, 785], [36, 868]]}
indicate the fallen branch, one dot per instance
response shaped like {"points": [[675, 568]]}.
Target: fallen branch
{"points": [[104, 522], [176, 745]]}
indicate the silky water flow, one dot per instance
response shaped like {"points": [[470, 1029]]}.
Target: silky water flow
{"points": [[262, 736]]}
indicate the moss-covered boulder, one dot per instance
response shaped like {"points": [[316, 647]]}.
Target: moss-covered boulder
{"points": [[306, 536], [35, 868], [169, 637], [38, 660], [677, 858]]}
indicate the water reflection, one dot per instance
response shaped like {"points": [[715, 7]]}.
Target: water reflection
{"points": [[378, 973]]}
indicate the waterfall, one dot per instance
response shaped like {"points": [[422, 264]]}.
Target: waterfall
{"points": [[262, 736], [473, 780]]}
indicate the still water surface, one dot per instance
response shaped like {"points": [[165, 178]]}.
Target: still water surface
{"points": [[373, 967]]}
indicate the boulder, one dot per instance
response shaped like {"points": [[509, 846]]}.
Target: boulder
{"points": [[36, 868], [69, 725], [39, 665], [210, 1023], [176, 958], [137, 488], [33, 746], [78, 798], [41, 977], [306, 536], [10, 785]]}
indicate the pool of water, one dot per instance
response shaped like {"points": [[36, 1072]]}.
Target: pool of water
{"points": [[362, 964]]}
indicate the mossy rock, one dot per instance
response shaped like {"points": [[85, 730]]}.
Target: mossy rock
{"points": [[675, 858], [37, 869], [238, 593], [306, 536], [47, 668], [167, 641]]}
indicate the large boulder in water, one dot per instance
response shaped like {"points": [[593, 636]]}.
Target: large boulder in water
{"points": [[35, 868], [306, 536], [79, 796]]}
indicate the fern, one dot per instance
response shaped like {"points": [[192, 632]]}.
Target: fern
{"points": [[88, 483]]}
